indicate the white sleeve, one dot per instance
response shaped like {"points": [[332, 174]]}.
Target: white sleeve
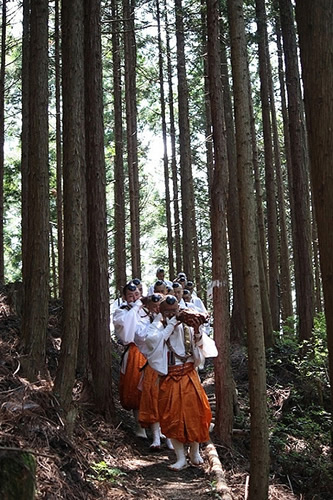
{"points": [[125, 322], [141, 334], [208, 345], [157, 351], [199, 305]]}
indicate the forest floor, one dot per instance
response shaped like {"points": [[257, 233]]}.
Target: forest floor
{"points": [[100, 461]]}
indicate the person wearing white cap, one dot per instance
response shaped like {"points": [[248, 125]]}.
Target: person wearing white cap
{"points": [[160, 275]]}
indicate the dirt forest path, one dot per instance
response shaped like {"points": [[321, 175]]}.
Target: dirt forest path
{"points": [[148, 476]]}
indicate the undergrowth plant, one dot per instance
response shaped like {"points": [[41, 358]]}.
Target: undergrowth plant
{"points": [[299, 409], [103, 472]]}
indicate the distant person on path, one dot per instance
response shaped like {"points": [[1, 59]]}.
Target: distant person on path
{"points": [[160, 275]]}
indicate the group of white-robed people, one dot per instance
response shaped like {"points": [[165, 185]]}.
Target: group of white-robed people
{"points": [[165, 342]]}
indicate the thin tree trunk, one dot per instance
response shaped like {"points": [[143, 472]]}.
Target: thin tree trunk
{"points": [[201, 286], [119, 211], [259, 450], [208, 116], [165, 149], [99, 307], [300, 193], [271, 215], [219, 196], [174, 170], [25, 132], [286, 309], [83, 349], [59, 154], [131, 121], [74, 158], [237, 325], [2, 134], [316, 262], [36, 280], [263, 280], [53, 263], [188, 217], [284, 258]]}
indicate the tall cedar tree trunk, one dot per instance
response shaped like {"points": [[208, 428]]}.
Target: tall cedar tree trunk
{"points": [[263, 279], [165, 150], [132, 139], [271, 215], [315, 26], [287, 148], [53, 277], [119, 210], [300, 192], [74, 159], [188, 219], [285, 296], [219, 201], [83, 367], [25, 132], [36, 279], [99, 308], [237, 325], [83, 349], [174, 170], [60, 229], [2, 134], [196, 275], [208, 115], [208, 144], [259, 451], [316, 262]]}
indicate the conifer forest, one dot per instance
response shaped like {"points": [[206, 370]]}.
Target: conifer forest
{"points": [[193, 137]]}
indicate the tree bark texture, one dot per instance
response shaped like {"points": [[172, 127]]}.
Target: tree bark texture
{"points": [[261, 236], [165, 150], [36, 280], [174, 170], [271, 215], [2, 135], [132, 139], [99, 308], [60, 229], [188, 219], [259, 451], [74, 164], [219, 202], [237, 325], [25, 132], [300, 177], [315, 26], [286, 309], [119, 190], [284, 285]]}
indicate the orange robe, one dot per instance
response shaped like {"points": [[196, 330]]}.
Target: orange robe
{"points": [[129, 394], [148, 411], [183, 406]]}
